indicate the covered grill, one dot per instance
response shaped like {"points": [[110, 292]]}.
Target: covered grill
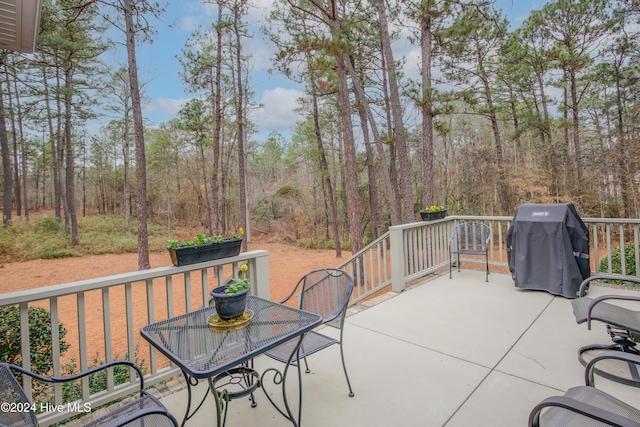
{"points": [[548, 248]]}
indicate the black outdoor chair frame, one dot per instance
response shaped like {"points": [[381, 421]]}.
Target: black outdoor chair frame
{"points": [[622, 324], [313, 340], [587, 401], [472, 240], [158, 408]]}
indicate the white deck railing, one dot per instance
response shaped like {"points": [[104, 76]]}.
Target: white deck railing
{"points": [[123, 304], [117, 307], [424, 249]]}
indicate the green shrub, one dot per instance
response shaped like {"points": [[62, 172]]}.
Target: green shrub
{"points": [[51, 250], [39, 337], [45, 238], [616, 261], [49, 224]]}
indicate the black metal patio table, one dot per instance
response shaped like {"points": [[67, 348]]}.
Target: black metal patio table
{"points": [[202, 352]]}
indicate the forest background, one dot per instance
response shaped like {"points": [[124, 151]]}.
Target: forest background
{"points": [[544, 113]]}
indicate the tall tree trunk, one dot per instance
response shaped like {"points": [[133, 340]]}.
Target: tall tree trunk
{"points": [[138, 127], [54, 150], [61, 149], [353, 200], [324, 170], [167, 189], [390, 189], [14, 137], [623, 172], [565, 117], [207, 197], [41, 175], [240, 118], [390, 141], [374, 199], [217, 124], [503, 192], [23, 154], [126, 153], [547, 137], [426, 106], [6, 165], [72, 228], [396, 108], [84, 179], [576, 127]]}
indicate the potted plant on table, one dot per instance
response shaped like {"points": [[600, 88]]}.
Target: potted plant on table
{"points": [[430, 213], [203, 248], [230, 300]]}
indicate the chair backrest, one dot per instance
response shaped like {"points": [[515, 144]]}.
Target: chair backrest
{"points": [[326, 292], [19, 413], [472, 235]]}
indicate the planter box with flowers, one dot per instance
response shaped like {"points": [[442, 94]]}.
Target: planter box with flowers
{"points": [[204, 248], [433, 212]]}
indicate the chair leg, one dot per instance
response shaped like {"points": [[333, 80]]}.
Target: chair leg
{"points": [[458, 261], [344, 366], [486, 258], [450, 265]]}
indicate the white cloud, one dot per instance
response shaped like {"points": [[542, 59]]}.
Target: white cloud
{"points": [[260, 10], [161, 109], [277, 111], [190, 23], [275, 114]]}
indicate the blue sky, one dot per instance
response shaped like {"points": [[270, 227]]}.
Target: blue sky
{"points": [[165, 92]]}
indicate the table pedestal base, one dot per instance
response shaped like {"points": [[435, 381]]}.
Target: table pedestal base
{"points": [[242, 381]]}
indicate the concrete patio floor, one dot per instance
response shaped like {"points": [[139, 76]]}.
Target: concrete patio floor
{"points": [[446, 352]]}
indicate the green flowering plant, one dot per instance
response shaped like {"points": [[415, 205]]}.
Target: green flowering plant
{"points": [[239, 284], [201, 239], [433, 208]]}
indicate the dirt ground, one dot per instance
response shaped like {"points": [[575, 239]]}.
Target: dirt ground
{"points": [[287, 263]]}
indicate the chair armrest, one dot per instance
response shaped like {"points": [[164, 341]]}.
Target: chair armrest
{"points": [[579, 408], [293, 291], [607, 355], [56, 380], [585, 283], [602, 298], [449, 242]]}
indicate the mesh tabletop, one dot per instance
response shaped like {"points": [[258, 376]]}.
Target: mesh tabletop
{"points": [[203, 352]]}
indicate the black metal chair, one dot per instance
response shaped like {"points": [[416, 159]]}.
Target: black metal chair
{"points": [[586, 405], [623, 324], [146, 410], [469, 238], [325, 292]]}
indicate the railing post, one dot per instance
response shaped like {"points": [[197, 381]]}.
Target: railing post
{"points": [[398, 257], [260, 278]]}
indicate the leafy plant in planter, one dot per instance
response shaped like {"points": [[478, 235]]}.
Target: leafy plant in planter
{"points": [[203, 248], [238, 284], [231, 299], [429, 213]]}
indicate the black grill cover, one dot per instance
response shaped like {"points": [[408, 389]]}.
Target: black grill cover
{"points": [[548, 249]]}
